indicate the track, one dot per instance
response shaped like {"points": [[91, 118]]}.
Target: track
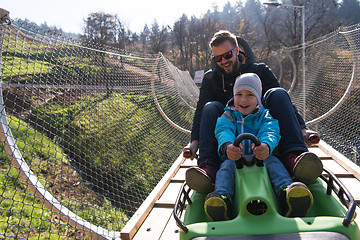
{"points": [[154, 219]]}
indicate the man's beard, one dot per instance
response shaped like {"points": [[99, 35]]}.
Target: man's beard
{"points": [[235, 66]]}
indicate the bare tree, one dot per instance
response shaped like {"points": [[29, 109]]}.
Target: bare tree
{"points": [[158, 38], [123, 35], [181, 37], [100, 28], [144, 37]]}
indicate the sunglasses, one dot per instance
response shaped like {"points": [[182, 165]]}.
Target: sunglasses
{"points": [[226, 55]]}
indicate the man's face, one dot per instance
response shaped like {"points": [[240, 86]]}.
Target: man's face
{"points": [[228, 65]]}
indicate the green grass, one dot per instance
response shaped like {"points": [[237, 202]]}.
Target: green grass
{"points": [[15, 66], [121, 137]]}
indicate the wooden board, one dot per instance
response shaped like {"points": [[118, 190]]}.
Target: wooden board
{"points": [[141, 214], [180, 175], [155, 223], [353, 185], [170, 193], [171, 230], [320, 153], [334, 167], [189, 163]]}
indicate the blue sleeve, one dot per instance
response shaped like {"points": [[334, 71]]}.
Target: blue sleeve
{"points": [[269, 131], [225, 130]]}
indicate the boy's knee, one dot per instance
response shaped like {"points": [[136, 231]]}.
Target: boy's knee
{"points": [[228, 164]]}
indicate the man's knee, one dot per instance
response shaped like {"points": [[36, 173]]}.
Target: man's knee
{"points": [[213, 108], [275, 95]]}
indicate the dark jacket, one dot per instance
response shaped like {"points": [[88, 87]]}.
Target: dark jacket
{"points": [[218, 86]]}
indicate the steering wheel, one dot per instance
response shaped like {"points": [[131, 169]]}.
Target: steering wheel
{"points": [[240, 163]]}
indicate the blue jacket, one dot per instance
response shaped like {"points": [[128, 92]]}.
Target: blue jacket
{"points": [[232, 123]]}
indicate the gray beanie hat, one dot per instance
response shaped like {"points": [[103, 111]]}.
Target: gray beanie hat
{"points": [[250, 82]]}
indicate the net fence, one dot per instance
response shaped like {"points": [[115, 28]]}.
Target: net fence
{"points": [[89, 130], [329, 99]]}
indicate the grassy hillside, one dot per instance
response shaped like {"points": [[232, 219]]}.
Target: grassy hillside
{"points": [[119, 143]]}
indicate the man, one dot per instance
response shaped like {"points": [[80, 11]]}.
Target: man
{"points": [[217, 89]]}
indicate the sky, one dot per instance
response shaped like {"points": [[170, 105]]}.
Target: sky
{"points": [[69, 14]]}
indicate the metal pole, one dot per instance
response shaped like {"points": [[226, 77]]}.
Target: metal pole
{"points": [[303, 55]]}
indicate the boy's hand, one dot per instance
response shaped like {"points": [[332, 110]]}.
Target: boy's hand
{"points": [[234, 153], [261, 152]]}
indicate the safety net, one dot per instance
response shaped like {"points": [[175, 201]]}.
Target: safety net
{"points": [[329, 97], [89, 130]]}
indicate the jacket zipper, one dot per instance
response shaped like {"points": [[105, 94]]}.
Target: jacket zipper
{"points": [[223, 83], [242, 122]]}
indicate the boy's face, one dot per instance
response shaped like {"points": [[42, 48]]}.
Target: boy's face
{"points": [[245, 102], [226, 48]]}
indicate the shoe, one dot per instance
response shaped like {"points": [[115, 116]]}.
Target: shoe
{"points": [[217, 206], [311, 137], [308, 167], [199, 180], [296, 199], [305, 167]]}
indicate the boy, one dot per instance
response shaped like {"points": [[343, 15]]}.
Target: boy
{"points": [[244, 113]]}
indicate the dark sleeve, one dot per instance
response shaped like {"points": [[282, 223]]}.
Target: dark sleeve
{"points": [[224, 147], [205, 96]]}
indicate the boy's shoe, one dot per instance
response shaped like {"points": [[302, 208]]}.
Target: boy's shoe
{"points": [[217, 206], [201, 179], [306, 167], [296, 200]]}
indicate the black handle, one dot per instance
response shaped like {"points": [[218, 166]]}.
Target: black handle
{"points": [[238, 140], [341, 191]]}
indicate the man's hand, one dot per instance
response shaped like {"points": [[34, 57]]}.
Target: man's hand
{"points": [[261, 152], [234, 153], [192, 148], [310, 137]]}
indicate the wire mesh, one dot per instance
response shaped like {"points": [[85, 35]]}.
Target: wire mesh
{"points": [[330, 100], [91, 123]]}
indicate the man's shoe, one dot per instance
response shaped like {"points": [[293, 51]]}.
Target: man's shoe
{"points": [[308, 167], [296, 199], [217, 206], [201, 180]]}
